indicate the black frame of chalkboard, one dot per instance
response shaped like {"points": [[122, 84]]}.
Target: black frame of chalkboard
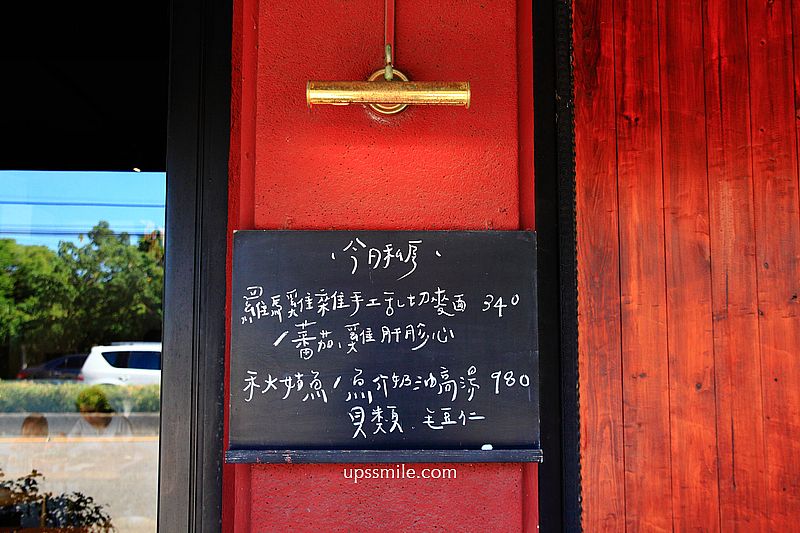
{"points": [[190, 492], [246, 447], [383, 456]]}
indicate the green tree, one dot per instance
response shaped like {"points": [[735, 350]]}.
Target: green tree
{"points": [[116, 287], [8, 316], [100, 291], [33, 292]]}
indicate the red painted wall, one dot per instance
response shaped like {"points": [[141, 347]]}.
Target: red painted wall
{"points": [[347, 168], [686, 121]]}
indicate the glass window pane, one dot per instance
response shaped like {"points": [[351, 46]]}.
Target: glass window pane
{"points": [[81, 275], [145, 360], [75, 363], [117, 359]]}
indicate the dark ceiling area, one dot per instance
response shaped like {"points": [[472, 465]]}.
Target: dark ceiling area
{"points": [[83, 85]]}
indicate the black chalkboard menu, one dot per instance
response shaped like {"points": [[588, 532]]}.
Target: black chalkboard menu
{"points": [[384, 346]]}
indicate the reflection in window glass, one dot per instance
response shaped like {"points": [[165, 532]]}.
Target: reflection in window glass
{"points": [[81, 276], [145, 360], [116, 359]]}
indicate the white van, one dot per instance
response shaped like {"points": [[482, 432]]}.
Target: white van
{"points": [[123, 363]]}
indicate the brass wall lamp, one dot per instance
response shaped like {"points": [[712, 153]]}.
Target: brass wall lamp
{"points": [[388, 91]]}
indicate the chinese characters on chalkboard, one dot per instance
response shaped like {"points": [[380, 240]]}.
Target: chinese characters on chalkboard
{"points": [[383, 339]]}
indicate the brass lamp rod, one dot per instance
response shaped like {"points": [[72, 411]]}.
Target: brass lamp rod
{"points": [[453, 93]]}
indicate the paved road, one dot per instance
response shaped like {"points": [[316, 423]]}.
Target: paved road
{"points": [[119, 472]]}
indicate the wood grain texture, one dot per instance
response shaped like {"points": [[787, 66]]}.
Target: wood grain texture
{"points": [[645, 373], [777, 249], [695, 496], [707, 104], [736, 341], [600, 356]]}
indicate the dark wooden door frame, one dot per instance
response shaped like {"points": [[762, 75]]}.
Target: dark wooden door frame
{"points": [[190, 475], [198, 132], [554, 168]]}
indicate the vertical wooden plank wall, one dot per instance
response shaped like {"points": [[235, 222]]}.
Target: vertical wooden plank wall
{"points": [[772, 109], [600, 369], [688, 263], [737, 348], [645, 379], [688, 284]]}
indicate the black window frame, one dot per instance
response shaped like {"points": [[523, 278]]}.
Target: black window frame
{"points": [[554, 168], [193, 340]]}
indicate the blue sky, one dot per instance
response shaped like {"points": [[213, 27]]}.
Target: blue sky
{"points": [[38, 207]]}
